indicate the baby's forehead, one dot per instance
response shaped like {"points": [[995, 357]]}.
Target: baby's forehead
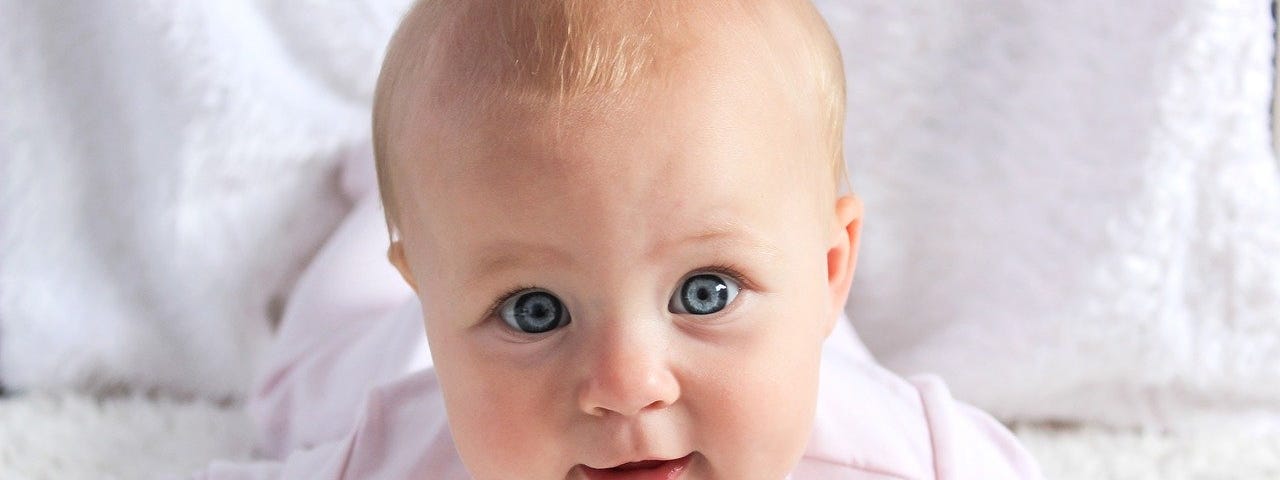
{"points": [[612, 181], [697, 144], [442, 114], [698, 126]]}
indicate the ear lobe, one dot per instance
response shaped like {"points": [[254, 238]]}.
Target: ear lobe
{"points": [[842, 256], [395, 253]]}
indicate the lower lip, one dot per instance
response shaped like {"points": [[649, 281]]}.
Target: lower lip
{"points": [[668, 470]]}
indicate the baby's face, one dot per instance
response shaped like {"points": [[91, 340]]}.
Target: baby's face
{"points": [[653, 285]]}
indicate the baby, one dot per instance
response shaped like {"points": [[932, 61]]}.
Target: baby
{"points": [[623, 226]]}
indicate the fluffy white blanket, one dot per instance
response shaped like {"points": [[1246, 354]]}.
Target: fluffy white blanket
{"points": [[166, 168], [1073, 208]]}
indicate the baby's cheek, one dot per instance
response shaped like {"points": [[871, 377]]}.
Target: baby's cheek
{"points": [[504, 425], [757, 398]]}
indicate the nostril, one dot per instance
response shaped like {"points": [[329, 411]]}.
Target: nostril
{"points": [[656, 405], [601, 411]]}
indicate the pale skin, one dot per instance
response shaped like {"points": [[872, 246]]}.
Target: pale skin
{"points": [[610, 211]]}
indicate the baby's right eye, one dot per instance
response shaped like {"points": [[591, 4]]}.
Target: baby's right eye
{"points": [[534, 311]]}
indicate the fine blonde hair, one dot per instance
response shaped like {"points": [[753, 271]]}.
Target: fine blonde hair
{"points": [[482, 53]]}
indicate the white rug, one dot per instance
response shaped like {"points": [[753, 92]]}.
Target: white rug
{"points": [[70, 437]]}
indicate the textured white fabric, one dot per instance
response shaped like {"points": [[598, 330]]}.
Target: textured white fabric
{"points": [[1073, 211], [166, 167]]}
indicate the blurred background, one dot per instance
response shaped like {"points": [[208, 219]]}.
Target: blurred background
{"points": [[1073, 216]]}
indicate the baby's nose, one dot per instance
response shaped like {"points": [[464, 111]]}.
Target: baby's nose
{"points": [[629, 372]]}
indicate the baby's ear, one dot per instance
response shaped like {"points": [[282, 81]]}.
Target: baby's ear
{"points": [[395, 253], [842, 255]]}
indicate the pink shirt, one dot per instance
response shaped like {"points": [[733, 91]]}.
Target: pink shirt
{"points": [[349, 393]]}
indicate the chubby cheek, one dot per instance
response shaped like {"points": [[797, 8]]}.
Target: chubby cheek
{"points": [[506, 422], [755, 404]]}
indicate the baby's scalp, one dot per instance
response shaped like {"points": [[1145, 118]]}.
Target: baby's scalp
{"points": [[466, 61]]}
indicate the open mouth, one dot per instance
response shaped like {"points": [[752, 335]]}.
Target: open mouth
{"points": [[642, 470]]}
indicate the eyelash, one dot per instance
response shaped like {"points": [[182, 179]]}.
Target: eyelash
{"points": [[728, 271], [720, 268], [493, 310]]}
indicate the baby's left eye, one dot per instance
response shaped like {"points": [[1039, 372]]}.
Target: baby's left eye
{"points": [[703, 294]]}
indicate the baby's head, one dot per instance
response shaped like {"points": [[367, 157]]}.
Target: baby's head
{"points": [[622, 221]]}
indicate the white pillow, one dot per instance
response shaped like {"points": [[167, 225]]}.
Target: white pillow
{"points": [[1073, 208]]}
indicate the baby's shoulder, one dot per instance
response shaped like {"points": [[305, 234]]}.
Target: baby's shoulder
{"points": [[872, 424], [408, 414], [868, 424]]}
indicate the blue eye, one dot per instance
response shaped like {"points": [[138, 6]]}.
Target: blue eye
{"points": [[534, 312], [704, 294]]}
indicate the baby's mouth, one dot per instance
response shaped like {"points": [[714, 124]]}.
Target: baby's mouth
{"points": [[642, 470]]}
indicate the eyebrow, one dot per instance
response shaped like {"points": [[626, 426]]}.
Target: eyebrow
{"points": [[508, 255], [723, 235], [512, 254]]}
